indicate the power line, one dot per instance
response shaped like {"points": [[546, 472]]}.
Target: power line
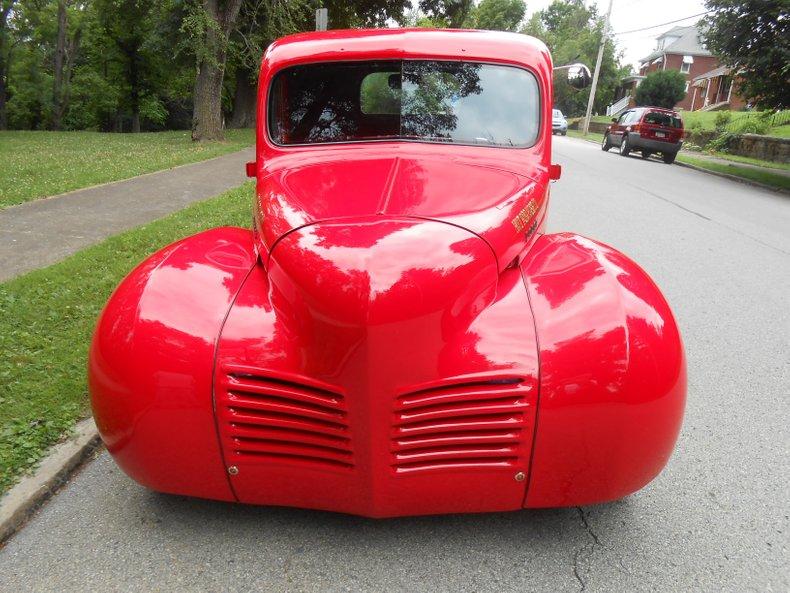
{"points": [[662, 24]]}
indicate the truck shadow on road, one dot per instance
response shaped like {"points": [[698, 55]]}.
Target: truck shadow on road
{"points": [[241, 522]]}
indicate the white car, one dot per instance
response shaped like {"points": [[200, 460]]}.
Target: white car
{"points": [[559, 125]]}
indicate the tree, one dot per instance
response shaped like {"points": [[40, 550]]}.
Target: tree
{"points": [[363, 13], [210, 24], [499, 15], [572, 31], [5, 11], [260, 22], [129, 24], [447, 13], [29, 85], [60, 58], [753, 37], [663, 88], [66, 46]]}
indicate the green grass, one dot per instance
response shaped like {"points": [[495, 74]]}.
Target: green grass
{"points": [[593, 136], [749, 160], [47, 318], [764, 176], [706, 120], [760, 175], [38, 164]]}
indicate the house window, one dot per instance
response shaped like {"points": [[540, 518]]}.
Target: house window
{"points": [[686, 65]]}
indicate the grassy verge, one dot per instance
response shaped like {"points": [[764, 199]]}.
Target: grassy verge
{"points": [[47, 318], [592, 136], [764, 176], [735, 158], [38, 164]]}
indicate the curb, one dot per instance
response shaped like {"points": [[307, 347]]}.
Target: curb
{"points": [[778, 190], [32, 491]]}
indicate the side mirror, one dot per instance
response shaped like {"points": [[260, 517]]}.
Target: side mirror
{"points": [[579, 76], [614, 120]]}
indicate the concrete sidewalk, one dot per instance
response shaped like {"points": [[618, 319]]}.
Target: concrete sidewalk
{"points": [[42, 232]]}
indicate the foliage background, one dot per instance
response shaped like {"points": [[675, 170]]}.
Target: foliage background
{"points": [[130, 65]]}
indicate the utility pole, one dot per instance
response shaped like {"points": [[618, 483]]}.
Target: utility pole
{"points": [[597, 70], [321, 18]]}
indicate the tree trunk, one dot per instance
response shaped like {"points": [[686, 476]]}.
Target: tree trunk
{"points": [[134, 85], [3, 122], [207, 112], [4, 12], [71, 55], [60, 54], [243, 102]]}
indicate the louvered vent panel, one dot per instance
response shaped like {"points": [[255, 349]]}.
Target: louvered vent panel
{"points": [[268, 417], [476, 423]]}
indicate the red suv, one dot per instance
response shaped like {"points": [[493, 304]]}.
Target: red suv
{"points": [[648, 130]]}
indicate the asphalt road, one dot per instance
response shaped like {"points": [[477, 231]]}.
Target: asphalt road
{"points": [[715, 520]]}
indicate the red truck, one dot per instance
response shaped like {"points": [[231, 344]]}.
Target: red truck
{"points": [[648, 130], [396, 334]]}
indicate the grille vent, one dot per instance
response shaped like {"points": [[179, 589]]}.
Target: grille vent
{"points": [[274, 418], [476, 423]]}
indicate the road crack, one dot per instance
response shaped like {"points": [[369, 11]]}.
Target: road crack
{"points": [[586, 551]]}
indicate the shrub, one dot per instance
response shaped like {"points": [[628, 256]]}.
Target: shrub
{"points": [[723, 142], [723, 118], [751, 125], [664, 88]]}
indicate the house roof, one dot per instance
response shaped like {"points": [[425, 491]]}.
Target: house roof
{"points": [[720, 71], [687, 43]]}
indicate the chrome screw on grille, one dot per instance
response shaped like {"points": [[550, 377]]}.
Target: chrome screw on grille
{"points": [[520, 476], [233, 470]]}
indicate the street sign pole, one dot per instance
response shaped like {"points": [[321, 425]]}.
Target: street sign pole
{"points": [[321, 19], [597, 70]]}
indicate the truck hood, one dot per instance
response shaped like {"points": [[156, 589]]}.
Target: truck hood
{"points": [[490, 198]]}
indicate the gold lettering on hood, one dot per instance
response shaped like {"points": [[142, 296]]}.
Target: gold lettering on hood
{"points": [[523, 217]]}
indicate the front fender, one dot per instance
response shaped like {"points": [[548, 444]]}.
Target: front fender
{"points": [[612, 373], [152, 358]]}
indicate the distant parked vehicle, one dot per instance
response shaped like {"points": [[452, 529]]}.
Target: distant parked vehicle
{"points": [[648, 130], [559, 125]]}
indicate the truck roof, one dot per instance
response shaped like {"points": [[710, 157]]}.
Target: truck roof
{"points": [[408, 43]]}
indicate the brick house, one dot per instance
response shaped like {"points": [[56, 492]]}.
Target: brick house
{"points": [[716, 89], [682, 49]]}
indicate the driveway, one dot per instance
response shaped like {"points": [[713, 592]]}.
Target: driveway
{"points": [[715, 520]]}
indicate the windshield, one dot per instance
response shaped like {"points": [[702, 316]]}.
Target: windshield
{"points": [[556, 113], [663, 119], [455, 102]]}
